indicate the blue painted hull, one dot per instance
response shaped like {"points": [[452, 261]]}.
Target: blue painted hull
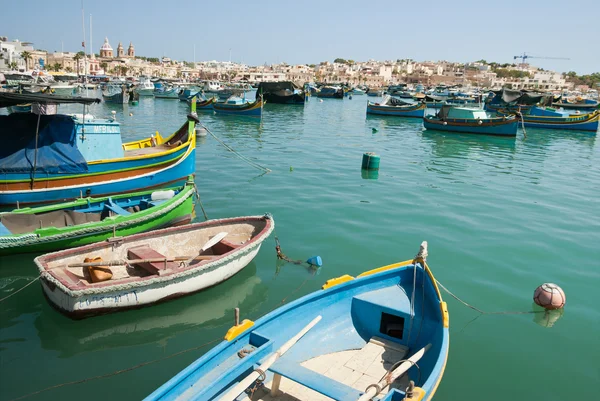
{"points": [[352, 314], [537, 122], [507, 129], [175, 173]]}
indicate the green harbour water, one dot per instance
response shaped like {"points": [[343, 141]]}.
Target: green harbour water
{"points": [[501, 216]]}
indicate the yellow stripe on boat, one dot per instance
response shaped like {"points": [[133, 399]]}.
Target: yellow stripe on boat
{"points": [[235, 331], [384, 268], [335, 281], [445, 315]]}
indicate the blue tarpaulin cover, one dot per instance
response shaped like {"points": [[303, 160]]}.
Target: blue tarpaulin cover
{"points": [[57, 147]]}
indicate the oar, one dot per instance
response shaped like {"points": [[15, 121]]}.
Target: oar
{"points": [[213, 240], [120, 262], [244, 384], [392, 376]]}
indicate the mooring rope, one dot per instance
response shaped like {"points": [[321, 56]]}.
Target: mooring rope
{"points": [[244, 158], [117, 372], [479, 310], [21, 289]]}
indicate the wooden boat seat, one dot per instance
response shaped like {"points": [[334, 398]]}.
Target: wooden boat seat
{"points": [[113, 207], [145, 252], [315, 381], [223, 246]]}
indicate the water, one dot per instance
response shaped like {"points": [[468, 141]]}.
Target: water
{"points": [[501, 216]]}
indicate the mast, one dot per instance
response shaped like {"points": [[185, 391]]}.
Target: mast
{"points": [[91, 46], [83, 43]]}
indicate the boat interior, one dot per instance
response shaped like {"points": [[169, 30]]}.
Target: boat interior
{"points": [[365, 332], [23, 223], [155, 145], [155, 254]]}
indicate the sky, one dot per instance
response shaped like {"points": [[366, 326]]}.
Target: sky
{"points": [[256, 32]]}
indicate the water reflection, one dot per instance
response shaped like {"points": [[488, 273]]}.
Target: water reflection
{"points": [[537, 137], [451, 145], [547, 318], [393, 123], [210, 308]]}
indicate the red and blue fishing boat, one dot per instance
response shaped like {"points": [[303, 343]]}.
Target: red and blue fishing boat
{"points": [[56, 158], [471, 121], [239, 106], [391, 106]]}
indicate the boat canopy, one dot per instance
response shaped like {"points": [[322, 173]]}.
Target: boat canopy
{"points": [[394, 101], [8, 99], [273, 87], [57, 150], [521, 97]]}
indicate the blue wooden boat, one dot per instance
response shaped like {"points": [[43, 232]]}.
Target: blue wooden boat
{"points": [[166, 93], [390, 106], [186, 94], [77, 156], [340, 342], [204, 104], [471, 121], [239, 106], [547, 117], [120, 94]]}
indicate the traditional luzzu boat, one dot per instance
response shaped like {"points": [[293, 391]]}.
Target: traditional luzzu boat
{"points": [[382, 335], [167, 93], [114, 93], [334, 92], [56, 158], [547, 117], [472, 121], [284, 92], [391, 106], [88, 220], [143, 269], [577, 104], [204, 104], [239, 106]]}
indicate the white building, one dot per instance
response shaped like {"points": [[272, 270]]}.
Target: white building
{"points": [[10, 52]]}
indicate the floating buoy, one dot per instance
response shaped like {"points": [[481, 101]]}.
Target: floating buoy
{"points": [[291, 168], [370, 161], [200, 131], [134, 102], [315, 261], [130, 114], [549, 296], [320, 100], [374, 130], [350, 97]]}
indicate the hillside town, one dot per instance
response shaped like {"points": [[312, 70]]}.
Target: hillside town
{"points": [[20, 56]]}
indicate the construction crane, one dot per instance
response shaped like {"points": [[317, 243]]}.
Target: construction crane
{"points": [[525, 56]]}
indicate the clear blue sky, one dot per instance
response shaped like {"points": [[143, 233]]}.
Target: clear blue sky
{"points": [[307, 31]]}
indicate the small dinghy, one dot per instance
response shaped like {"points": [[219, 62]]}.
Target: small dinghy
{"points": [[380, 336], [143, 269]]}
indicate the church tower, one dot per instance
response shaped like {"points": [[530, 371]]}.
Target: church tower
{"points": [[106, 50], [120, 51], [130, 50]]}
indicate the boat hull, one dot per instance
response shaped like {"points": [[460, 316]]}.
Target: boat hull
{"points": [[417, 111], [175, 211], [584, 122], [145, 92], [295, 98], [501, 128], [87, 301]]}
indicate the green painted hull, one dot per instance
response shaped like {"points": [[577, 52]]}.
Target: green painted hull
{"points": [[176, 211]]}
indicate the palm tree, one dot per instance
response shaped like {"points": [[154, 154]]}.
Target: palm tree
{"points": [[26, 56], [77, 57], [123, 70], [104, 66], [68, 69], [13, 65], [56, 67]]}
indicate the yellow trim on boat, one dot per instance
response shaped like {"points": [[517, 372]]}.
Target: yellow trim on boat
{"points": [[418, 394], [235, 331], [335, 281], [384, 268], [445, 315]]}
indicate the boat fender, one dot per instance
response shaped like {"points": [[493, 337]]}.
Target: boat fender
{"points": [[98, 274], [162, 195], [445, 123], [479, 122]]}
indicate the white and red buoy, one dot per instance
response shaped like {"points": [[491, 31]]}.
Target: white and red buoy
{"points": [[549, 296]]}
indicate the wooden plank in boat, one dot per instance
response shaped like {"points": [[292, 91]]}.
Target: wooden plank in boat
{"points": [[145, 252]]}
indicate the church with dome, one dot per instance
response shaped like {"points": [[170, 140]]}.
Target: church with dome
{"points": [[106, 51]]}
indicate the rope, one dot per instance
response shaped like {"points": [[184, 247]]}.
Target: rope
{"points": [[522, 122], [117, 372], [21, 289], [200, 202], [244, 158], [282, 256], [479, 310]]}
